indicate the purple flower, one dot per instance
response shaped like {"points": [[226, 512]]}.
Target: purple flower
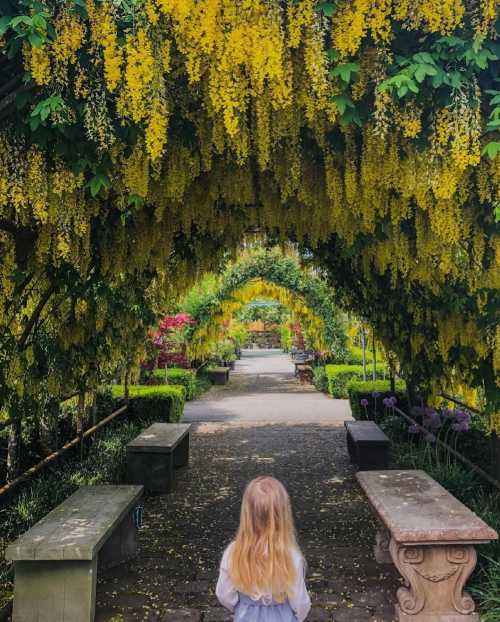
{"points": [[393, 400], [375, 394], [432, 419], [364, 402], [448, 413], [462, 426], [414, 429], [387, 402], [430, 438], [462, 416]]}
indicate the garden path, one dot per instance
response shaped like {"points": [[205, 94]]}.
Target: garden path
{"points": [[263, 421]]}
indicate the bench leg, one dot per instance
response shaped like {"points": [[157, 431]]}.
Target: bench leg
{"points": [[55, 591], [181, 454], [381, 548], [152, 470], [121, 546], [435, 578], [351, 448]]}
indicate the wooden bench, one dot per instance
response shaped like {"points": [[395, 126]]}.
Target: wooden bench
{"points": [[155, 453], [218, 375], [304, 372], [430, 537], [56, 561], [368, 446]]}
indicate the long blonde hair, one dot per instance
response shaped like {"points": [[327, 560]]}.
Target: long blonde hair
{"points": [[261, 560]]}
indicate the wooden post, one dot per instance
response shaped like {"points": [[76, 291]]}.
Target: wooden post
{"points": [[363, 345], [374, 362]]}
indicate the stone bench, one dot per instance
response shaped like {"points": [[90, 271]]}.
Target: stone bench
{"points": [[56, 561], [155, 453], [430, 537], [304, 372], [218, 375], [368, 446]]}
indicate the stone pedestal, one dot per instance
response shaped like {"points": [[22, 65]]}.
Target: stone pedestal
{"points": [[435, 578], [54, 591]]}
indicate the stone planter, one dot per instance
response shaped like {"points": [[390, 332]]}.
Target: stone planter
{"points": [[218, 375]]}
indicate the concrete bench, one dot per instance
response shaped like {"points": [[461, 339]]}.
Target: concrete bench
{"points": [[430, 537], [218, 375], [56, 561], [155, 453], [304, 372], [368, 446]]}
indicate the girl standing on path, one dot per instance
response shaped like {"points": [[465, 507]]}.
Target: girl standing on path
{"points": [[262, 573]]}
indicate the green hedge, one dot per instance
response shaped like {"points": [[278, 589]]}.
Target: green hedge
{"points": [[339, 375], [163, 402], [358, 390], [179, 376], [355, 356]]}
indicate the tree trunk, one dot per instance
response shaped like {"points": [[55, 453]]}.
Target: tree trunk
{"points": [[79, 420], [14, 450]]}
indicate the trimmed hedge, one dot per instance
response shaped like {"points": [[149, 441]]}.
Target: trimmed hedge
{"points": [[164, 403], [359, 390], [179, 376], [339, 375]]}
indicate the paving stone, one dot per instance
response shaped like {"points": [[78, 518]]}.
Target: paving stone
{"points": [[193, 587], [318, 615], [181, 615], [217, 614], [352, 614]]}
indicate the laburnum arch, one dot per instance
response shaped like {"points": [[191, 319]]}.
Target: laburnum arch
{"points": [[270, 274], [140, 141]]}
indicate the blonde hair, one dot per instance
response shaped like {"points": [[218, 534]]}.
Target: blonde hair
{"points": [[261, 559]]}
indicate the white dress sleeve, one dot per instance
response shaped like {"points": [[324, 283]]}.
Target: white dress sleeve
{"points": [[225, 591], [299, 600]]}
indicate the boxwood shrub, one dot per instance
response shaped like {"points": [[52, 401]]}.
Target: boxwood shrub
{"points": [[179, 376], [358, 390], [163, 402], [339, 375]]}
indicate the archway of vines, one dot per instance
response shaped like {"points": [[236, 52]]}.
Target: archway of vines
{"points": [[270, 274], [140, 141]]}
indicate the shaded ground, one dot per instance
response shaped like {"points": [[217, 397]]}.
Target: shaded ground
{"points": [[263, 422]]}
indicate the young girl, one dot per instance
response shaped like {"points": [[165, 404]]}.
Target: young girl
{"points": [[262, 571]]}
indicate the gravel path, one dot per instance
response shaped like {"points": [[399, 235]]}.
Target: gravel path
{"points": [[263, 422]]}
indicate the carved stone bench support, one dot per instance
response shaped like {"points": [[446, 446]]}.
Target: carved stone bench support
{"points": [[381, 548], [435, 577]]}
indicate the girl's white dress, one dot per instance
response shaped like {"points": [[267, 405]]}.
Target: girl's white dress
{"points": [[263, 608]]}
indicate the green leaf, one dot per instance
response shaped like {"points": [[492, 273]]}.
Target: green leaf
{"points": [[35, 39], [343, 102], [424, 57], [99, 182], [344, 71], [136, 200], [327, 8], [492, 149], [4, 24]]}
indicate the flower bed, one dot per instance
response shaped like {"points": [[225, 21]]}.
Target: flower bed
{"points": [[367, 398]]}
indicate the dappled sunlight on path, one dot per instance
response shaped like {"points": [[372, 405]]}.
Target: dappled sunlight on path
{"points": [[245, 433]]}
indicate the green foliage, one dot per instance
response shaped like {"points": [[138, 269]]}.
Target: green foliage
{"points": [[355, 356], [163, 402], [358, 390], [281, 270], [285, 337], [179, 376], [339, 375], [269, 312], [320, 379], [223, 351]]}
